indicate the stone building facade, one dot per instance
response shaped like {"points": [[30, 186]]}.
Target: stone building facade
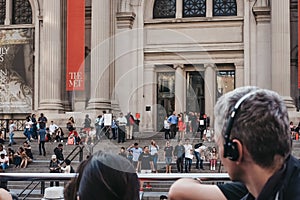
{"points": [[146, 56]]}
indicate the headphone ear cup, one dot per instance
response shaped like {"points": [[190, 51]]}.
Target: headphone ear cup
{"points": [[234, 152]]}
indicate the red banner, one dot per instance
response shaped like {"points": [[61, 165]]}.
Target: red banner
{"points": [[75, 45], [298, 45]]}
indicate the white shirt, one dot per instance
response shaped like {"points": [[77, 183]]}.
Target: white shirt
{"points": [[52, 128], [12, 128], [66, 169], [4, 160], [28, 124], [153, 149], [166, 124], [122, 121], [188, 151]]}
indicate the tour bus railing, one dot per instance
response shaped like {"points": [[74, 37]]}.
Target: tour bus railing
{"points": [[156, 177]]}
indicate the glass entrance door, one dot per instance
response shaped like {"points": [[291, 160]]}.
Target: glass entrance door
{"points": [[165, 97], [195, 96]]}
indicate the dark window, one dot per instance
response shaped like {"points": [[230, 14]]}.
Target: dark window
{"points": [[22, 13], [225, 82], [2, 11], [225, 8], [164, 9], [194, 8]]}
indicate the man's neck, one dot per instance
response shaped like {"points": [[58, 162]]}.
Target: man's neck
{"points": [[255, 184]]}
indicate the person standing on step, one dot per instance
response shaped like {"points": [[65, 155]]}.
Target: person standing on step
{"points": [[173, 120], [179, 156], [145, 165], [153, 148], [54, 168], [168, 154], [188, 155], [121, 121], [12, 128], [58, 151], [42, 140]]}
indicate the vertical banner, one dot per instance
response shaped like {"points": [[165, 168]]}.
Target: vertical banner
{"points": [[75, 45], [298, 45]]}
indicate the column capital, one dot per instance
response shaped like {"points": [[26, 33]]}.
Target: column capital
{"points": [[211, 65], [262, 11], [239, 64], [178, 66]]}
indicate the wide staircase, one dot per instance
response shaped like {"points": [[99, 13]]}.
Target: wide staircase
{"points": [[40, 164]]}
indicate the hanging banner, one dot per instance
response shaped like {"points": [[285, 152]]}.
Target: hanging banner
{"points": [[75, 45]]}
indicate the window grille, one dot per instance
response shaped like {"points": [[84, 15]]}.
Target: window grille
{"points": [[164, 9], [22, 13], [2, 11], [194, 8], [224, 8]]}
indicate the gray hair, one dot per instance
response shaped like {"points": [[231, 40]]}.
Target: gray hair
{"points": [[261, 123]]}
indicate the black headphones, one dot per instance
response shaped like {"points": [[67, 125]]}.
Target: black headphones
{"points": [[230, 147]]}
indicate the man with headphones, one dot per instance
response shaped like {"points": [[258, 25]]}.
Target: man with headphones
{"points": [[253, 136]]}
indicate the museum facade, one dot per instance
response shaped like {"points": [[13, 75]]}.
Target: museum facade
{"points": [[150, 57]]}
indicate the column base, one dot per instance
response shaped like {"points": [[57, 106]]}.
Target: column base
{"points": [[51, 106], [99, 104], [289, 102]]}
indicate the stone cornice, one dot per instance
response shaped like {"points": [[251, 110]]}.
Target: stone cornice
{"points": [[125, 20], [262, 14]]}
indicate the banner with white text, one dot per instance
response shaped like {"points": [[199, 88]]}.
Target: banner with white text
{"points": [[75, 45]]}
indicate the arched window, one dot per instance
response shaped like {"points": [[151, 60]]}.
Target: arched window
{"points": [[194, 8], [2, 11], [164, 9], [22, 13], [224, 8]]}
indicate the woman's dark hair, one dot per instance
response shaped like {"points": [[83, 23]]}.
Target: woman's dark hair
{"points": [[110, 177], [68, 162], [70, 192], [105, 175]]}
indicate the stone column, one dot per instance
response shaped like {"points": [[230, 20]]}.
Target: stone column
{"points": [[239, 74], [51, 68], [179, 6], [210, 89], [280, 22], [8, 10], [262, 10], [179, 88], [147, 121], [100, 57]]}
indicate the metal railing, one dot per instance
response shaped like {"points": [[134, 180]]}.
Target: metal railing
{"points": [[156, 177]]}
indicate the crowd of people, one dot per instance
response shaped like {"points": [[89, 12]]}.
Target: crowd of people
{"points": [[187, 122], [183, 154], [254, 147]]}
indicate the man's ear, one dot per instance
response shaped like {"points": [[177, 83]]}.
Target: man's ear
{"points": [[239, 147]]}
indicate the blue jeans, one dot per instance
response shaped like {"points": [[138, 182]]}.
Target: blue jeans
{"points": [[4, 166], [11, 138], [27, 133], [155, 158], [198, 160], [187, 164]]}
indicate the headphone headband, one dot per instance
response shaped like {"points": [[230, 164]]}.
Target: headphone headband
{"points": [[230, 148]]}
